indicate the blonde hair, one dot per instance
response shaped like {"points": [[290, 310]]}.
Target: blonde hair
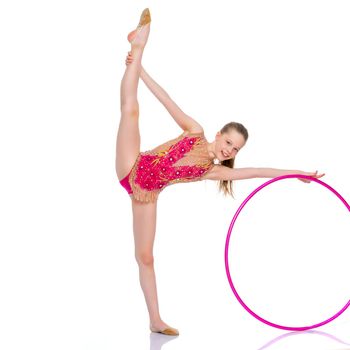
{"points": [[225, 186]]}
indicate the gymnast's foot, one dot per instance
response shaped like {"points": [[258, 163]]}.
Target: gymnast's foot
{"points": [[139, 36], [162, 327]]}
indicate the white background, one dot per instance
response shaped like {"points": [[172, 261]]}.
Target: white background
{"points": [[67, 270]]}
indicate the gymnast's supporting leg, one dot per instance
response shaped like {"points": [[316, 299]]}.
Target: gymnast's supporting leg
{"points": [[144, 225], [128, 136]]}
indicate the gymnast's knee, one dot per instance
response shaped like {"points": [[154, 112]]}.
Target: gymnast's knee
{"points": [[144, 258], [130, 108]]}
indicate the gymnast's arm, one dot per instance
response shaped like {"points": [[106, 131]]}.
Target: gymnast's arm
{"points": [[221, 172], [182, 119]]}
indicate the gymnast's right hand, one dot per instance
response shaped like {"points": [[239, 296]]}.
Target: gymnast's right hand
{"points": [[129, 58], [315, 175]]}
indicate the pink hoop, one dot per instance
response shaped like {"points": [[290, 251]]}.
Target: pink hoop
{"points": [[228, 240]]}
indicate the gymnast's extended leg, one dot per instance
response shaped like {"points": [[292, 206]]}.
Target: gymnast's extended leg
{"points": [[128, 136]]}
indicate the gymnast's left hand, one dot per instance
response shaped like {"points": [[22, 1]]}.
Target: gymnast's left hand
{"points": [[129, 58], [314, 174]]}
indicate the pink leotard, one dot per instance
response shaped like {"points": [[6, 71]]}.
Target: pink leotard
{"points": [[183, 159]]}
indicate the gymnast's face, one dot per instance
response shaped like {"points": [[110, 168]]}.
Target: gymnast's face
{"points": [[228, 144]]}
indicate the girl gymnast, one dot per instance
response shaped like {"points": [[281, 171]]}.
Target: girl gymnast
{"points": [[188, 157]]}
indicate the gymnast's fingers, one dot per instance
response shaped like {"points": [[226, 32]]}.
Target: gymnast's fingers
{"points": [[317, 176]]}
